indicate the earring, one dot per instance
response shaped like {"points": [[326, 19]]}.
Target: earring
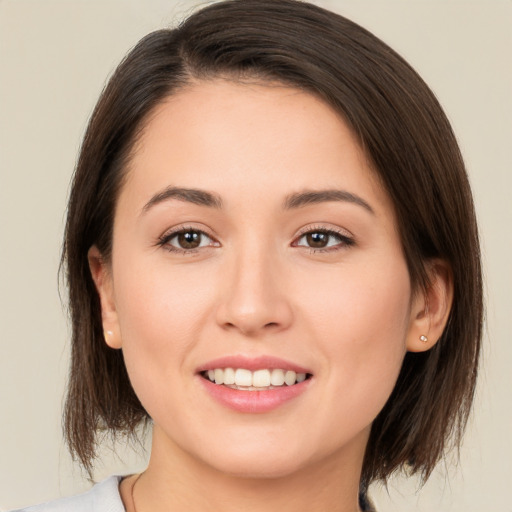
{"points": [[107, 334], [423, 338]]}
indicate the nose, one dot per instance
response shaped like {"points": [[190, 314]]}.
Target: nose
{"points": [[254, 299]]}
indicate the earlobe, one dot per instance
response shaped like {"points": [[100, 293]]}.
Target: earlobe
{"points": [[431, 309], [102, 277]]}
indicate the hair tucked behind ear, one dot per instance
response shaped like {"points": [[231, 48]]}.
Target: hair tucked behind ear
{"points": [[407, 139]]}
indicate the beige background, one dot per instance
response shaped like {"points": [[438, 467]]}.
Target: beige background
{"points": [[54, 58]]}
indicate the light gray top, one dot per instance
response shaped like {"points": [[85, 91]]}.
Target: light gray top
{"points": [[103, 497]]}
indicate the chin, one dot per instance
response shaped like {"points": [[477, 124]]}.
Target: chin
{"points": [[262, 467], [263, 460]]}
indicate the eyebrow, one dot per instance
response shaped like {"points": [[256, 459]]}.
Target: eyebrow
{"points": [[293, 201], [189, 195], [305, 198]]}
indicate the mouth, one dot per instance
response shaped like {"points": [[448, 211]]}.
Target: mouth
{"points": [[254, 384], [258, 380]]}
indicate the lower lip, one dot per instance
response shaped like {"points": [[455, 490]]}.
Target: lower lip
{"points": [[253, 401]]}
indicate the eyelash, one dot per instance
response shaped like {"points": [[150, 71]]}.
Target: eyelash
{"points": [[165, 239], [343, 239]]}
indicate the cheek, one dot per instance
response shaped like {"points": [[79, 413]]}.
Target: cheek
{"points": [[360, 323], [362, 309], [161, 311], [154, 296]]}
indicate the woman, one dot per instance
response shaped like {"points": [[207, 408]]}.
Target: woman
{"points": [[272, 253]]}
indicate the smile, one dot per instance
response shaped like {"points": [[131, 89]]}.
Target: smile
{"points": [[247, 380], [254, 384]]}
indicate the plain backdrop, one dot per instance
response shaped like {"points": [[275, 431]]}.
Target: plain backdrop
{"points": [[54, 60]]}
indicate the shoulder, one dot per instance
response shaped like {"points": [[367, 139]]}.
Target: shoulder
{"points": [[103, 497]]}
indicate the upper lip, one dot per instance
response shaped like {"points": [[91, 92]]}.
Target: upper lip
{"points": [[252, 363]]}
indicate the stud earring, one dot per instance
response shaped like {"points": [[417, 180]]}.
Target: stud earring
{"points": [[423, 338], [107, 334]]}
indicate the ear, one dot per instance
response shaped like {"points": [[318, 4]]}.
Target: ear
{"points": [[102, 277], [430, 309]]}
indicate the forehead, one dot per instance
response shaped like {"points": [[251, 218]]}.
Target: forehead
{"points": [[252, 139]]}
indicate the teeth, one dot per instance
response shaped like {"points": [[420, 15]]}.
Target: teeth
{"points": [[229, 376], [277, 377], [243, 378], [290, 378], [261, 379], [219, 376]]}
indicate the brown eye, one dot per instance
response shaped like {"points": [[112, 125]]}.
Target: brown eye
{"points": [[186, 240], [317, 239], [189, 239], [324, 239]]}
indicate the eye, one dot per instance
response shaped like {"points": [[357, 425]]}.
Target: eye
{"points": [[323, 239], [186, 240]]}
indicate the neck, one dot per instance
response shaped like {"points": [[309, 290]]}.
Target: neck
{"points": [[176, 481]]}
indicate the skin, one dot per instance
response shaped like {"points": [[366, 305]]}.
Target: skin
{"points": [[253, 287]]}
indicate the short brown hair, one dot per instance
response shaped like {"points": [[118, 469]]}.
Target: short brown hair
{"points": [[406, 137]]}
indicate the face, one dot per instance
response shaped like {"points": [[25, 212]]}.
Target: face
{"points": [[251, 234]]}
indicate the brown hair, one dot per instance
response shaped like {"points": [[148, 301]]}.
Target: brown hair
{"points": [[405, 135]]}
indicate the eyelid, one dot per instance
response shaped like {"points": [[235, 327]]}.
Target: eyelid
{"points": [[311, 228], [163, 240], [345, 237]]}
